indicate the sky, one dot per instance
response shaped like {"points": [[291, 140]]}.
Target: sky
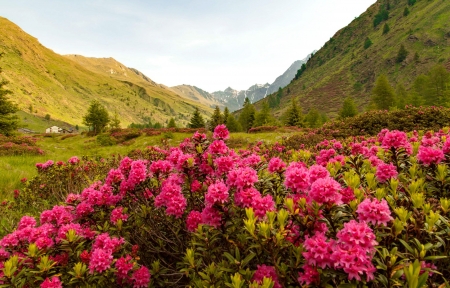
{"points": [[210, 44]]}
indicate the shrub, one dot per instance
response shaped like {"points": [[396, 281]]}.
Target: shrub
{"points": [[19, 145], [105, 140], [370, 211]]}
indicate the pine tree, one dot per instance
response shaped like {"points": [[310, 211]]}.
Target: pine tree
{"points": [[348, 108], [406, 12], [293, 115], [401, 96], [196, 120], [367, 43], [312, 119], [382, 94], [386, 28], [115, 121], [8, 120], [232, 124], [226, 112], [263, 117], [439, 85], [216, 119], [402, 53], [247, 116], [96, 117], [171, 123]]}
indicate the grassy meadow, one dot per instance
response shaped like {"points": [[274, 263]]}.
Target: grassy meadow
{"points": [[56, 148]]}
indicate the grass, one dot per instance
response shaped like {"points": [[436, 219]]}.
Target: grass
{"points": [[58, 149]]}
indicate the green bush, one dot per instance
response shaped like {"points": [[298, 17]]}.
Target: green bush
{"points": [[105, 140]]}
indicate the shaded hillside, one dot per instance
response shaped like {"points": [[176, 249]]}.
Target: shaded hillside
{"points": [[197, 94], [345, 67], [63, 87], [284, 79]]}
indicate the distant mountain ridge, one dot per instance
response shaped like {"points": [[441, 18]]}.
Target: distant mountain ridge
{"points": [[44, 82], [234, 99], [284, 79], [197, 94]]}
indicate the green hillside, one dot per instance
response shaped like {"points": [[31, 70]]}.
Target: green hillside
{"points": [[63, 87], [345, 67]]}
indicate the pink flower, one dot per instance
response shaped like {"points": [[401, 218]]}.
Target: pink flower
{"points": [[309, 276], [160, 166], [261, 205], [117, 214], [253, 160], [347, 195], [114, 176], [326, 191], [171, 197], [193, 220], [74, 160], [221, 132], [374, 211], [430, 155], [217, 193], [356, 234], [54, 282], [446, 147], [297, 178], [106, 243], [224, 164], [395, 139], [141, 277], [196, 186], [276, 165], [26, 221], [324, 156], [317, 172], [385, 172], [123, 266], [211, 217], [242, 177], [265, 271], [100, 260], [244, 198], [318, 251], [218, 147]]}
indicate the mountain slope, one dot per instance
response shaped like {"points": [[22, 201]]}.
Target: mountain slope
{"points": [[344, 67], [284, 79], [197, 94], [64, 86]]}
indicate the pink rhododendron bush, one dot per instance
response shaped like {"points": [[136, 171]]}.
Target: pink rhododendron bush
{"points": [[364, 212]]}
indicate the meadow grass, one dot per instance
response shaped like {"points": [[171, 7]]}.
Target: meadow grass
{"points": [[14, 168]]}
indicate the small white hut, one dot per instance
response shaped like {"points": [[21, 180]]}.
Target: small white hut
{"points": [[53, 129]]}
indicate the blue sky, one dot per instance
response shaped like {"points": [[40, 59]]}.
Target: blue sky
{"points": [[207, 43]]}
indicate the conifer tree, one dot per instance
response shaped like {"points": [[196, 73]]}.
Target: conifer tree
{"points": [[367, 43], [97, 117], [115, 122], [196, 120], [312, 119], [439, 85], [293, 115], [247, 116], [383, 94], [226, 112], [263, 117], [8, 120], [386, 28], [401, 96], [232, 124], [348, 108], [171, 123], [216, 119], [402, 53]]}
